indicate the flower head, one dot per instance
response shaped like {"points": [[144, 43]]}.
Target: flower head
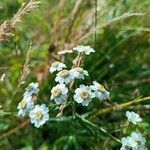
{"points": [[78, 73], [126, 143], [135, 141], [84, 49], [133, 117], [99, 91], [83, 95], [139, 141], [25, 106], [59, 93], [63, 52], [39, 115], [57, 66], [64, 76], [31, 89]]}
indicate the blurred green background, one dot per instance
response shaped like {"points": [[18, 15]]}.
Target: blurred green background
{"points": [[121, 63]]}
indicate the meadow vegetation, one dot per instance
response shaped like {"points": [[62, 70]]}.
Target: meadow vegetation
{"points": [[33, 34]]}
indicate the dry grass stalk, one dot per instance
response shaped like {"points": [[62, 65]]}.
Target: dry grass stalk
{"points": [[57, 22], [25, 71], [73, 16], [119, 106], [105, 24], [8, 26], [14, 130]]}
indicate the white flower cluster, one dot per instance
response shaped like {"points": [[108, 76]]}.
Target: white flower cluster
{"points": [[83, 94], [133, 117], [37, 113], [135, 141], [81, 49], [84, 49]]}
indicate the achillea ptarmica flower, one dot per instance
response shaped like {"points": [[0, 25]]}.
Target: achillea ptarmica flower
{"points": [[126, 143], [39, 115], [78, 73], [59, 93], [99, 91], [84, 49], [138, 141], [63, 52], [64, 76], [133, 117], [33, 88], [135, 141], [25, 106], [83, 95], [57, 66]]}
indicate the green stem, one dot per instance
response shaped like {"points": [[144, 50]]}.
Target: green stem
{"points": [[96, 127], [120, 106], [73, 109]]}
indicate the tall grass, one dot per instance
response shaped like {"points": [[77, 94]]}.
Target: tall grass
{"points": [[118, 31]]}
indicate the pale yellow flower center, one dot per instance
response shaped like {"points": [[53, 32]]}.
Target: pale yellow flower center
{"points": [[38, 115], [55, 63], [78, 69], [84, 95], [139, 142], [63, 73], [56, 92], [127, 146], [23, 104], [101, 88]]}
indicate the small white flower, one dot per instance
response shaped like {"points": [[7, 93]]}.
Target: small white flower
{"points": [[138, 141], [83, 95], [57, 66], [63, 52], [25, 106], [99, 91], [126, 143], [59, 93], [135, 141], [78, 73], [84, 49], [64, 76], [39, 115], [32, 89], [133, 117]]}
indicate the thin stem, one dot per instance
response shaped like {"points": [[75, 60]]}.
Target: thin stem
{"points": [[95, 32], [96, 127], [22, 125], [120, 106], [73, 109]]}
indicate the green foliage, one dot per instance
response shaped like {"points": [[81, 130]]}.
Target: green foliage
{"points": [[121, 63]]}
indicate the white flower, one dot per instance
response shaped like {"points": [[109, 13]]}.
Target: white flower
{"points": [[139, 141], [99, 91], [31, 89], [133, 117], [63, 52], [59, 93], [135, 141], [83, 95], [64, 76], [78, 73], [39, 115], [84, 49], [126, 143], [25, 106], [57, 66]]}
